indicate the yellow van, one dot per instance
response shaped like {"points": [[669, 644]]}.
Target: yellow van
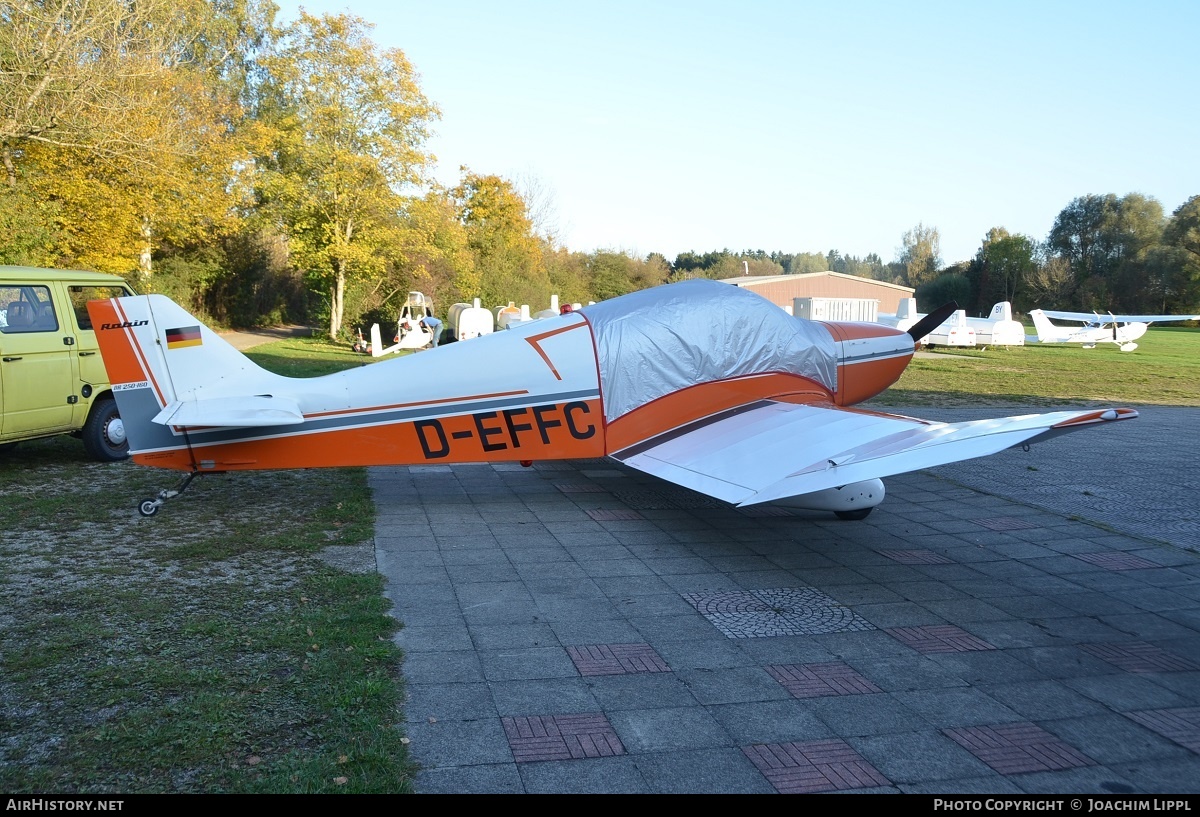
{"points": [[52, 378]]}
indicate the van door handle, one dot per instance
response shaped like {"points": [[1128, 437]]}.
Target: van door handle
{"points": [[11, 359], [86, 354]]}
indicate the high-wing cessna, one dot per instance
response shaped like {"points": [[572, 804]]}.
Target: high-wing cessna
{"points": [[703, 384], [1122, 330]]}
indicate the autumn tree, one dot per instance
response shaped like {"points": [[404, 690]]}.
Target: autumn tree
{"points": [[615, 273], [569, 275], [501, 236], [121, 114], [349, 125], [434, 253], [1048, 285], [72, 72], [920, 254]]}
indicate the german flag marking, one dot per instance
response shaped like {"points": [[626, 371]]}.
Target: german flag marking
{"points": [[183, 337]]}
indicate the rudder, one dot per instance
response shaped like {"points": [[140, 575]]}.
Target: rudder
{"points": [[156, 355]]}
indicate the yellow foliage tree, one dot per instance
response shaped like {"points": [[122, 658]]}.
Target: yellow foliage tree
{"points": [[349, 124]]}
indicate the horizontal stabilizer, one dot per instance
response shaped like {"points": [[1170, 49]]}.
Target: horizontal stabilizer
{"points": [[772, 451], [231, 412]]}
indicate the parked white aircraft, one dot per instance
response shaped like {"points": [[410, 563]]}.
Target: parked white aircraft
{"points": [[954, 331], [998, 328], [904, 318], [1122, 330]]}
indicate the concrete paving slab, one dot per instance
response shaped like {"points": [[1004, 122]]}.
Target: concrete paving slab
{"points": [[1077, 564]]}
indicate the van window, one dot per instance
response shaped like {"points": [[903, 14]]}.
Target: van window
{"points": [[81, 294], [26, 309]]}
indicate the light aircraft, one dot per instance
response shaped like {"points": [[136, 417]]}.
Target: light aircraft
{"points": [[997, 329], [700, 383], [1122, 330], [953, 331]]}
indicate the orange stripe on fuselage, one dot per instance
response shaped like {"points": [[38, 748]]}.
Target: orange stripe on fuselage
{"points": [[705, 399], [535, 342], [564, 431]]}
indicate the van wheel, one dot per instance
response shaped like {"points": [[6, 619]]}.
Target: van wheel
{"points": [[104, 433]]}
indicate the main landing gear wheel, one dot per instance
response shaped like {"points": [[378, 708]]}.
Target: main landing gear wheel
{"points": [[856, 514], [149, 507]]}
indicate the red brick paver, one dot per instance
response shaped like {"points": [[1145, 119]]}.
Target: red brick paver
{"points": [[823, 765], [917, 557], [561, 737], [1140, 657], [821, 680], [1180, 725], [579, 488], [943, 638], [615, 515], [762, 511], [1116, 561], [616, 659], [1017, 748], [1005, 523]]}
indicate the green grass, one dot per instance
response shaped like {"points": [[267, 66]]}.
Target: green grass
{"points": [[1163, 370], [311, 357], [210, 648]]}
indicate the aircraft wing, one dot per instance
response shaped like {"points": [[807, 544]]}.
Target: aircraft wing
{"points": [[771, 450], [1094, 317]]}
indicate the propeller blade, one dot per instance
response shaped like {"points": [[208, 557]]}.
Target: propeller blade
{"points": [[932, 321]]}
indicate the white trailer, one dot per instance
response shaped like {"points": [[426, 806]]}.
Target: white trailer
{"points": [[470, 321], [863, 310]]}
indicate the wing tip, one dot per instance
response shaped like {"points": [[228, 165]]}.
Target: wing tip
{"points": [[1098, 416]]}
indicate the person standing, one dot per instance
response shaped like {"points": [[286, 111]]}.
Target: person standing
{"points": [[434, 326]]}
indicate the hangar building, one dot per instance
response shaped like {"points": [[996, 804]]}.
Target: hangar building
{"points": [[782, 290]]}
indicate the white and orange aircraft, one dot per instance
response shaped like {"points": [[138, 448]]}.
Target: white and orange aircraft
{"points": [[700, 383]]}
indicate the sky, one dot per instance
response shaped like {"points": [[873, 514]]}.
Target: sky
{"points": [[800, 127]]}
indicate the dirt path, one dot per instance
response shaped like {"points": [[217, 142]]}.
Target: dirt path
{"points": [[254, 337]]}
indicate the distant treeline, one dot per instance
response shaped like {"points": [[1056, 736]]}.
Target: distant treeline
{"points": [[261, 173]]}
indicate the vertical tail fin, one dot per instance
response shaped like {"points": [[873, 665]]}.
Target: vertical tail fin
{"points": [[1047, 332], [376, 341], [159, 358]]}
